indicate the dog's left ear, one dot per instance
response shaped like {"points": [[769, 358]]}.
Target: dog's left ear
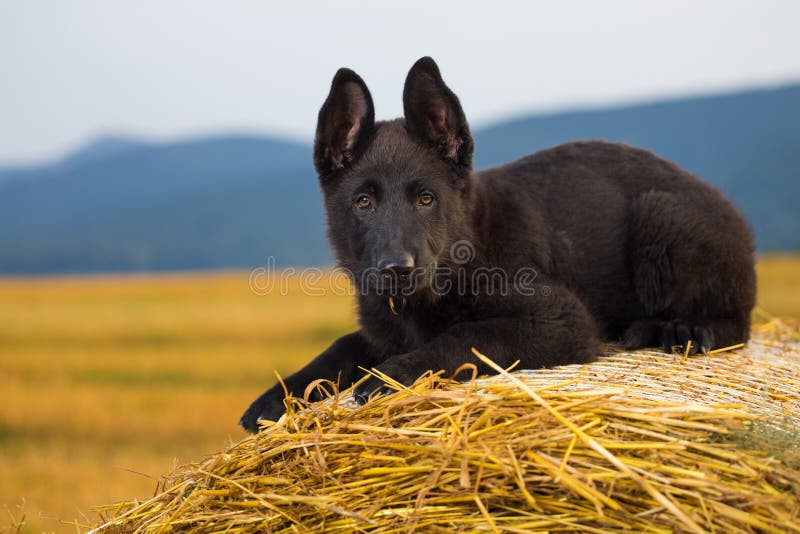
{"points": [[433, 114]]}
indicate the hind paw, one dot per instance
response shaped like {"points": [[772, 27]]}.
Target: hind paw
{"points": [[676, 335]]}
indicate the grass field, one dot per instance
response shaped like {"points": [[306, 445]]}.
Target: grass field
{"points": [[108, 381]]}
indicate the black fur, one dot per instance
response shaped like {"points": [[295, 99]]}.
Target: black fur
{"points": [[625, 246]]}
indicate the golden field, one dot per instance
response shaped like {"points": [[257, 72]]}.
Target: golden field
{"points": [[109, 381]]}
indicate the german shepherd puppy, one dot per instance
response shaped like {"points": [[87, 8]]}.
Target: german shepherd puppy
{"points": [[537, 260]]}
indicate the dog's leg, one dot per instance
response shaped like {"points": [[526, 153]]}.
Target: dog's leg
{"points": [[341, 361], [693, 275], [550, 331], [655, 238], [642, 333]]}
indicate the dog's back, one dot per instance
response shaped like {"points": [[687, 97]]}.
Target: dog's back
{"points": [[632, 233]]}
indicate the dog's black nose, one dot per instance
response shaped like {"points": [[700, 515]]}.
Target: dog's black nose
{"points": [[400, 266]]}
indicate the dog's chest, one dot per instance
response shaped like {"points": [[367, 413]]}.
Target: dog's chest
{"points": [[420, 324], [410, 324]]}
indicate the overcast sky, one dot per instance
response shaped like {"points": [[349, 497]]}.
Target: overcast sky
{"points": [[168, 69]]}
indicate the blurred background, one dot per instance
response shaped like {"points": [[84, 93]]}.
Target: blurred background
{"points": [[152, 154]]}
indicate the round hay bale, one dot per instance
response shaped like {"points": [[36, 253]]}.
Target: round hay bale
{"points": [[636, 441]]}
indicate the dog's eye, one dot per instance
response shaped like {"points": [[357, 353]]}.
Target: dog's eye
{"points": [[363, 202], [425, 198]]}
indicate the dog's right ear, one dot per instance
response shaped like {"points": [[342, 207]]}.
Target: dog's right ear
{"points": [[346, 122]]}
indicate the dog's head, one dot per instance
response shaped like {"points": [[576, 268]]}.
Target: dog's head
{"points": [[395, 192]]}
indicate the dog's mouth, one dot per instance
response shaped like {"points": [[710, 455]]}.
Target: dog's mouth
{"points": [[392, 284], [402, 284]]}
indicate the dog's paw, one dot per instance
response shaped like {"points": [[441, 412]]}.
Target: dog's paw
{"points": [[676, 335], [399, 368], [269, 407]]}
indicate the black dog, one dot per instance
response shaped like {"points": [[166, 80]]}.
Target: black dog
{"points": [[537, 260]]}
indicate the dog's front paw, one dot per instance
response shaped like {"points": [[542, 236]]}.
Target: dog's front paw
{"points": [[678, 335], [400, 368], [268, 406]]}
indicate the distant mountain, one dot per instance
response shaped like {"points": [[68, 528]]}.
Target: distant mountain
{"points": [[122, 204], [206, 203], [104, 147], [96, 149]]}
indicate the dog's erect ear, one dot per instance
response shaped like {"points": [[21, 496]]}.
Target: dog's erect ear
{"points": [[433, 114], [346, 121]]}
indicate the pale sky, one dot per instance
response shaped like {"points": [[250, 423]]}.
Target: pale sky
{"points": [[163, 69]]}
